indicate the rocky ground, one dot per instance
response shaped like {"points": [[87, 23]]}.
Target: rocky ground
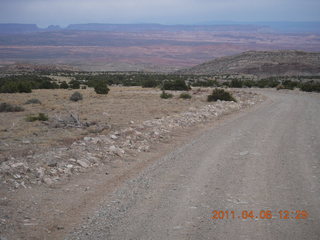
{"points": [[51, 166]]}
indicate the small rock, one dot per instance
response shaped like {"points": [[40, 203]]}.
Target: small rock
{"points": [[83, 163], [47, 181], [244, 153], [40, 172], [52, 163], [113, 137], [17, 176]]}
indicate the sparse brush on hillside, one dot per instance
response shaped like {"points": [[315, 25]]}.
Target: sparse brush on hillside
{"points": [[178, 85], [74, 84], [16, 87], [165, 95], [39, 117], [101, 88], [33, 101], [7, 107], [185, 96], [310, 86], [208, 83], [149, 83], [64, 85], [76, 96], [220, 94]]}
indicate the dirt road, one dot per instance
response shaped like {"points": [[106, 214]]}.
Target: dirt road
{"points": [[267, 159]]}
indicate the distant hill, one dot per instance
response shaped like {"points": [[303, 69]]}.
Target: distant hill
{"points": [[261, 63], [160, 27], [12, 28]]}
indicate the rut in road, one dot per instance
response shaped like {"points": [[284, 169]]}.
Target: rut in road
{"points": [[267, 159]]}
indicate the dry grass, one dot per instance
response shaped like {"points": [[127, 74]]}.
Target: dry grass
{"points": [[117, 109]]}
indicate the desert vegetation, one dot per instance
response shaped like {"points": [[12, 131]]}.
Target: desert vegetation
{"points": [[76, 96], [220, 94], [7, 107]]}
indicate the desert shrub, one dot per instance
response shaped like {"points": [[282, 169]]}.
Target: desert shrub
{"points": [[249, 83], [166, 95], [39, 117], [226, 84], [267, 83], [280, 87], [149, 83], [16, 87], [220, 94], [7, 107], [74, 84], [24, 87], [185, 96], [64, 85], [287, 84], [33, 101], [178, 85], [76, 96], [9, 87], [101, 88], [47, 84], [235, 83], [208, 83], [310, 87]]}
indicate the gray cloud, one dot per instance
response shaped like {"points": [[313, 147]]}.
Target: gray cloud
{"points": [[45, 12]]}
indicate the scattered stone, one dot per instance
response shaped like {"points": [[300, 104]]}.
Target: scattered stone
{"points": [[113, 137], [136, 138], [52, 163], [83, 163], [47, 181], [244, 153], [40, 172]]}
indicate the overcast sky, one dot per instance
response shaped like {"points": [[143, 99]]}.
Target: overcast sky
{"points": [[64, 12]]}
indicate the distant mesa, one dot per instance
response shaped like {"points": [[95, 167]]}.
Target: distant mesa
{"points": [[11, 28], [261, 63], [54, 28]]}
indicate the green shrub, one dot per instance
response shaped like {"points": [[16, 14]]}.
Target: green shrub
{"points": [[310, 87], [235, 83], [206, 83], [16, 87], [220, 94], [149, 83], [76, 96], [9, 87], [24, 87], [7, 107], [178, 85], [267, 83], [185, 96], [74, 84], [287, 84], [64, 85], [33, 101], [39, 117], [166, 95], [101, 88]]}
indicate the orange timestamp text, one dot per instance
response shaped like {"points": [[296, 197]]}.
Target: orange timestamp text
{"points": [[262, 214]]}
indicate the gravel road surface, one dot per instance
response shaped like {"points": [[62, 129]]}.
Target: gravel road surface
{"points": [[267, 159]]}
